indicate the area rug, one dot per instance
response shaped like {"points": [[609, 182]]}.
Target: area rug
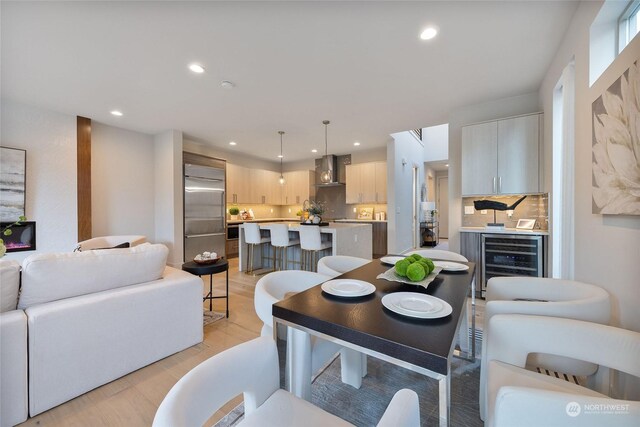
{"points": [[210, 317], [364, 407]]}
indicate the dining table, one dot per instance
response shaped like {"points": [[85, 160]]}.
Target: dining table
{"points": [[364, 324]]}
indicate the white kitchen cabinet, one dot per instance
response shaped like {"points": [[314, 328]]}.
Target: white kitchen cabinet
{"points": [[518, 163], [501, 157], [366, 183], [479, 158]]}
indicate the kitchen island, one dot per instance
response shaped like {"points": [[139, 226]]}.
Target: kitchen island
{"points": [[346, 239]]}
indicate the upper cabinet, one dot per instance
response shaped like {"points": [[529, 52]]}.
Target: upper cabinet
{"points": [[298, 187], [259, 186], [502, 156], [238, 184], [366, 183]]}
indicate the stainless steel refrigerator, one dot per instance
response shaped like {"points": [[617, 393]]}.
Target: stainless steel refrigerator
{"points": [[204, 205]]}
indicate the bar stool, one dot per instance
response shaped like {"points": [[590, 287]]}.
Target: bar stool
{"points": [[281, 243], [253, 238], [311, 243]]}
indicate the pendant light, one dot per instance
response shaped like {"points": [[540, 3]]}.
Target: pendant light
{"points": [[326, 175], [281, 180]]}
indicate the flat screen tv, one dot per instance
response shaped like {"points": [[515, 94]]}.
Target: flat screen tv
{"points": [[22, 238]]}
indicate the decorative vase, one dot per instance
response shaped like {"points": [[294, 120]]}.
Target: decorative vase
{"points": [[317, 219], [234, 217]]}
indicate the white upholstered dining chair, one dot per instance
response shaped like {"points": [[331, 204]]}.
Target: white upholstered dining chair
{"points": [[252, 369], [519, 397], [335, 265], [544, 297], [439, 254], [277, 286]]}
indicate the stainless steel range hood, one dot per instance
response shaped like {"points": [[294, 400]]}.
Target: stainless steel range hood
{"points": [[336, 165]]}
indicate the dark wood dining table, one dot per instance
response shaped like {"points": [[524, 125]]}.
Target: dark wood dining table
{"points": [[365, 325]]}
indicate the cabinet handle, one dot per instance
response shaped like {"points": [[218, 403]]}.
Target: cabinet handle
{"points": [[495, 189], [263, 199], [500, 185], [376, 197], [297, 200]]}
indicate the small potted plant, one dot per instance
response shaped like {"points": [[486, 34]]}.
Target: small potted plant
{"points": [[233, 212], [6, 231], [316, 209]]}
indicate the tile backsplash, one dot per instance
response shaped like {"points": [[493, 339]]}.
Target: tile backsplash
{"points": [[535, 206]]}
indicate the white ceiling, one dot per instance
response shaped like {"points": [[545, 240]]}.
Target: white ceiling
{"points": [[359, 64]]}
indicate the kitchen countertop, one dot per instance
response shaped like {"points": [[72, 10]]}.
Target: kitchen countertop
{"points": [[294, 226], [360, 220], [504, 231], [240, 221]]}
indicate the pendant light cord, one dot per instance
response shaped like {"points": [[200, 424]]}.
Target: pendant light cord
{"points": [[281, 156]]}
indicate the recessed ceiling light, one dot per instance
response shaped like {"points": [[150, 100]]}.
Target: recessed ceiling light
{"points": [[280, 156], [447, 165], [356, 143], [314, 151], [232, 143], [226, 84], [117, 113], [429, 33], [196, 68]]}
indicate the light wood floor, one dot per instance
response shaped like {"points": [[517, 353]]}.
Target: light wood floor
{"points": [[133, 399]]}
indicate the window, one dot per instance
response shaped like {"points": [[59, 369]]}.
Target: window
{"points": [[629, 24], [611, 31]]}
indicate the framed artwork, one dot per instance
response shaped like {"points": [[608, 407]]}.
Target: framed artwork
{"points": [[526, 224], [365, 213], [616, 147], [13, 170]]}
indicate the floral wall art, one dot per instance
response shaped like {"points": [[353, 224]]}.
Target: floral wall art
{"points": [[616, 147]]}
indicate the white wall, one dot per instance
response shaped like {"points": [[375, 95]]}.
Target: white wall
{"points": [[366, 156], [607, 247], [436, 143], [50, 141], [231, 156], [512, 106], [122, 182], [169, 194], [399, 189], [357, 156]]}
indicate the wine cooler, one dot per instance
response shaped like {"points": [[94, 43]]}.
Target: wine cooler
{"points": [[510, 255]]}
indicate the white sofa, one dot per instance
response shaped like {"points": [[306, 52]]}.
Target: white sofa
{"points": [[13, 348], [95, 316]]}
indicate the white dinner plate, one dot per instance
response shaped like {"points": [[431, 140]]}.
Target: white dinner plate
{"points": [[391, 260], [413, 304], [451, 266], [348, 288]]}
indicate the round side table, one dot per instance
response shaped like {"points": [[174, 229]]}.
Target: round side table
{"points": [[209, 270]]}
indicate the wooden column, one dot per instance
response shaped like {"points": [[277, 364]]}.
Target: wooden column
{"points": [[84, 178]]}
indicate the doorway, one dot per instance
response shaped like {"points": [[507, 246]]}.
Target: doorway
{"points": [[442, 205]]}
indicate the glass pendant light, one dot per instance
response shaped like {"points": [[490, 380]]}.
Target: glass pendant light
{"points": [[281, 180], [326, 175]]}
